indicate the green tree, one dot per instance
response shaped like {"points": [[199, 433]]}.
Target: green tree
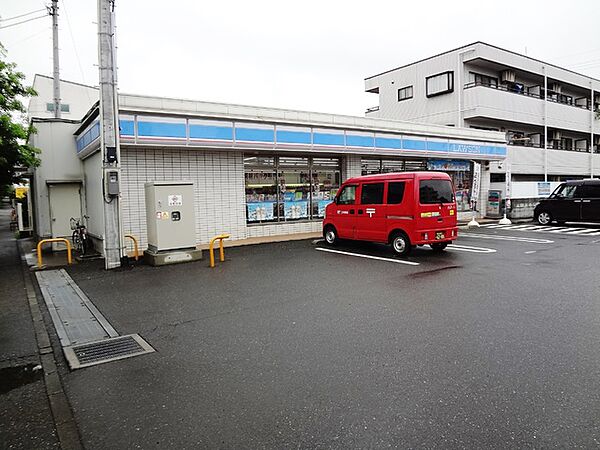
{"points": [[15, 153]]}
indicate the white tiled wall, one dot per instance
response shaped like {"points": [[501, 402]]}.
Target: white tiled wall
{"points": [[351, 166], [218, 178], [218, 183]]}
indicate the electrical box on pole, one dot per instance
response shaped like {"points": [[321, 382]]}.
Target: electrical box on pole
{"points": [[109, 135]]}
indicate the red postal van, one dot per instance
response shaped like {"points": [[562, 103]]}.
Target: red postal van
{"points": [[403, 209]]}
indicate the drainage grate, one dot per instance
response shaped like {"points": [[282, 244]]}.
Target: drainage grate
{"points": [[90, 354]]}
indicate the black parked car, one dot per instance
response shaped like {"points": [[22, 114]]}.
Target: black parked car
{"points": [[573, 201]]}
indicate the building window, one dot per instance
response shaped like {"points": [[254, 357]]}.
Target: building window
{"points": [[439, 84], [284, 188], [405, 93], [64, 107], [485, 80]]}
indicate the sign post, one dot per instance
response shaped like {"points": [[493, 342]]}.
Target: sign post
{"points": [[475, 193], [507, 188]]}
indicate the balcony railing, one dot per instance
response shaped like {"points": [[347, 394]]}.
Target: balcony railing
{"points": [[520, 89], [551, 145]]}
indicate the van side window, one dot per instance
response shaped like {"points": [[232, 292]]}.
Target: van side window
{"points": [[395, 192], [590, 191], [347, 196], [372, 194]]}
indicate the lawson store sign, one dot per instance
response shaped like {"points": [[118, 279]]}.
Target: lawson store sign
{"points": [[144, 130]]}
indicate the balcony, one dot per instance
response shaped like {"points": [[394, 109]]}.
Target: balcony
{"points": [[536, 91], [525, 105]]}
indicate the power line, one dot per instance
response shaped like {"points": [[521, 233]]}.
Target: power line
{"points": [[23, 21], [22, 15], [75, 48]]}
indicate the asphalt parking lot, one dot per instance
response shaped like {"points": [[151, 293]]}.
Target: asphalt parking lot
{"points": [[285, 345]]}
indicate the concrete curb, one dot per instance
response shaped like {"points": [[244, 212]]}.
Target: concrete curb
{"points": [[64, 421]]}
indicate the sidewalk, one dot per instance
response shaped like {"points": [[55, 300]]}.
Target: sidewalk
{"points": [[25, 417]]}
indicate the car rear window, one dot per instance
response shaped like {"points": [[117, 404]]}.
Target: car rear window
{"points": [[435, 191]]}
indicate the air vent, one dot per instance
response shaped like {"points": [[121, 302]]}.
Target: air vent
{"points": [[556, 87], [507, 76], [90, 354]]}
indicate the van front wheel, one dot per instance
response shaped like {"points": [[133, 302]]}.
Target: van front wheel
{"points": [[330, 235], [400, 244]]}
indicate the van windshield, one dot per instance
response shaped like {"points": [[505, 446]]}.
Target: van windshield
{"points": [[435, 191]]}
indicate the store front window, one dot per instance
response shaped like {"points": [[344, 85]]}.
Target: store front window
{"points": [[459, 171], [286, 188], [261, 189], [461, 175]]}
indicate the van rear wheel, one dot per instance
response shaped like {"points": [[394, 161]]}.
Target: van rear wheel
{"points": [[330, 235], [400, 244]]}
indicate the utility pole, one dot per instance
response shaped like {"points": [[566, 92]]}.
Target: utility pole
{"points": [[53, 11], [109, 135]]}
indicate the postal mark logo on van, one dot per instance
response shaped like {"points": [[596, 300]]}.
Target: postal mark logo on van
{"points": [[370, 212]]}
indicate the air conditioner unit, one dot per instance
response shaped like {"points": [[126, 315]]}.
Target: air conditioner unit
{"points": [[507, 76], [556, 87], [556, 135]]}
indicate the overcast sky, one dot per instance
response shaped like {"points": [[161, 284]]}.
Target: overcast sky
{"points": [[310, 55]]}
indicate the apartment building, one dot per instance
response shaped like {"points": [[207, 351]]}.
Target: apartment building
{"points": [[549, 114]]}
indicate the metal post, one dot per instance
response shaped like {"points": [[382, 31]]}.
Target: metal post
{"points": [[591, 130], [109, 134], [545, 125], [56, 69]]}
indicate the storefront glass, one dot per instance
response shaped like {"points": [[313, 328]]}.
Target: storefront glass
{"points": [[459, 171], [294, 188], [461, 175], [284, 188], [325, 184], [261, 189]]}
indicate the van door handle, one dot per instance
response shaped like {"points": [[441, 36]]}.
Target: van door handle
{"points": [[586, 201], [351, 211], [360, 211], [576, 201]]}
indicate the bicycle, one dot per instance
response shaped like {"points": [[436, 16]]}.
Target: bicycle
{"points": [[79, 237]]}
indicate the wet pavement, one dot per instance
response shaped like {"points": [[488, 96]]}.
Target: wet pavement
{"points": [[283, 346], [25, 417]]}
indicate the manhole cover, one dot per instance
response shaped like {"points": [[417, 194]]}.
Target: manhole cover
{"points": [[90, 354]]}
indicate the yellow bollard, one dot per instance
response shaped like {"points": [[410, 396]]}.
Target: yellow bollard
{"points": [[44, 241], [221, 251], [135, 245]]}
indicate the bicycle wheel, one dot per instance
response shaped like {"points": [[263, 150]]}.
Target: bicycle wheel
{"points": [[76, 241]]}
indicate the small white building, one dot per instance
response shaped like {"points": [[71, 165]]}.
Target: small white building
{"points": [[547, 113], [256, 171]]}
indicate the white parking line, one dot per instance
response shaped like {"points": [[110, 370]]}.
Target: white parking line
{"points": [[584, 231], [508, 238], [360, 255], [468, 248]]}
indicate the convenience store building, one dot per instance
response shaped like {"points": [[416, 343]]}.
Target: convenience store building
{"points": [[256, 171]]}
